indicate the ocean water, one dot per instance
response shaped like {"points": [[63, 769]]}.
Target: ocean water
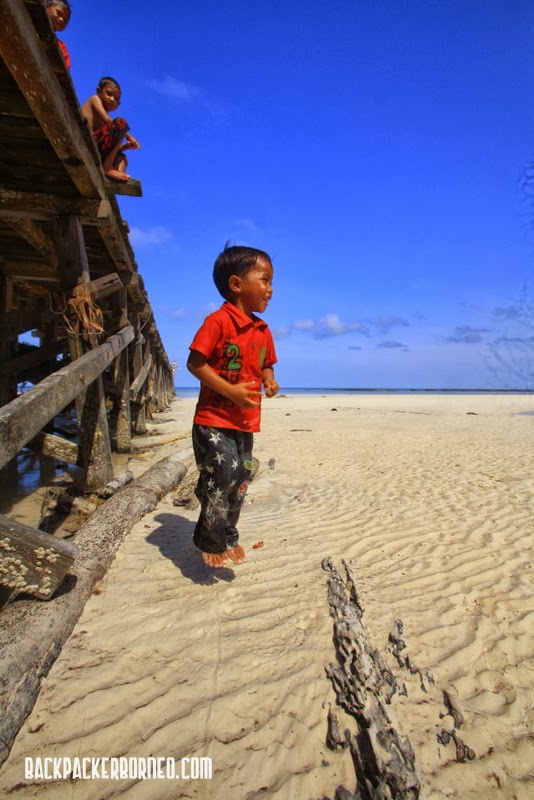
{"points": [[192, 391]]}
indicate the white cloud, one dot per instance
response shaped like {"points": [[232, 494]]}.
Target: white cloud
{"points": [[175, 89], [332, 325], [150, 236], [281, 332], [304, 324]]}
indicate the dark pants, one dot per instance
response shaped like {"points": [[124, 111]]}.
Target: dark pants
{"points": [[224, 460]]}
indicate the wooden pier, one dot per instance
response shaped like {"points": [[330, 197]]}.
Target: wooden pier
{"points": [[67, 274]]}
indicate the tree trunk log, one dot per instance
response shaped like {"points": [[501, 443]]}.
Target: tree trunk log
{"points": [[33, 634]]}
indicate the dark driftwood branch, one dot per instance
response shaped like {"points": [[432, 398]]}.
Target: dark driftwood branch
{"points": [[33, 634], [397, 646], [384, 761]]}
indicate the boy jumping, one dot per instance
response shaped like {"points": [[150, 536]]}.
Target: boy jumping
{"points": [[232, 355]]}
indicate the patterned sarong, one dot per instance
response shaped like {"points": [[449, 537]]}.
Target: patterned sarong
{"points": [[110, 135]]}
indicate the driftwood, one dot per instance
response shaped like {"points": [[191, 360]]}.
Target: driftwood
{"points": [[31, 561], [156, 441], [384, 761], [117, 483], [56, 447], [452, 708], [33, 634], [397, 646]]}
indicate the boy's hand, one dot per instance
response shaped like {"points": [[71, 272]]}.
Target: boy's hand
{"points": [[244, 396], [271, 388]]}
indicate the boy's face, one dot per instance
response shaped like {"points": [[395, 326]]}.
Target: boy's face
{"points": [[252, 291], [110, 94], [59, 16]]}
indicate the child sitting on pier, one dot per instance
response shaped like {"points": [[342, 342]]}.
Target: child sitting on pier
{"points": [[232, 355], [109, 133], [59, 14]]}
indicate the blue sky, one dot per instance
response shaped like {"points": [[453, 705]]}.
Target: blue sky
{"points": [[377, 149]]}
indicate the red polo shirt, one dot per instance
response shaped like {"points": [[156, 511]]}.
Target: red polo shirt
{"points": [[238, 348]]}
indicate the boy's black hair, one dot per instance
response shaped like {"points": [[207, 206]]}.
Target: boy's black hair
{"points": [[48, 3], [107, 79], [235, 260]]}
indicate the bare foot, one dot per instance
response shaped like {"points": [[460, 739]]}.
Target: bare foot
{"points": [[117, 175], [214, 559], [236, 554]]}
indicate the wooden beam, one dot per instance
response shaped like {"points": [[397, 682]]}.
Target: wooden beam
{"points": [[130, 188], [22, 51], [115, 244], [21, 363], [19, 320], [35, 235], [129, 278], [69, 245], [32, 561], [37, 206], [55, 447], [101, 287], [141, 377], [24, 417], [25, 269]]}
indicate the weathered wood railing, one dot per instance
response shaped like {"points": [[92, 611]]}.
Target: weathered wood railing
{"points": [[67, 272]]}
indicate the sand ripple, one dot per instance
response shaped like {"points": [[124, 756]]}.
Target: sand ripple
{"points": [[431, 505]]}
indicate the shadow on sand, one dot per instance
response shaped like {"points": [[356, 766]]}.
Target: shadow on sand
{"points": [[174, 537]]}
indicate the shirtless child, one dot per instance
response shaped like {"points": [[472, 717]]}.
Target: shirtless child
{"points": [[108, 133]]}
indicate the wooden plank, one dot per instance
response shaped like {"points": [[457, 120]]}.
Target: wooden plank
{"points": [[70, 248], [34, 234], [121, 380], [130, 188], [30, 270], [138, 410], [21, 363], [95, 446], [55, 447], [23, 53], [32, 561], [114, 242], [141, 376], [39, 206], [101, 287], [24, 417], [19, 320]]}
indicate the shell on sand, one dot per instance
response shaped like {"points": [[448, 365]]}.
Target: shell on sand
{"points": [[428, 497]]}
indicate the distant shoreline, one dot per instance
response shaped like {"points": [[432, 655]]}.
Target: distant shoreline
{"points": [[190, 390]]}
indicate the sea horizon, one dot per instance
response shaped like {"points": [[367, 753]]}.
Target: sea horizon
{"points": [[192, 391]]}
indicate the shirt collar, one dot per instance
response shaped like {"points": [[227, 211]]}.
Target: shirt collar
{"points": [[241, 319]]}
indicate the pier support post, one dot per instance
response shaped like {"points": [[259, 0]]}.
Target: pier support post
{"points": [[121, 381], [95, 448]]}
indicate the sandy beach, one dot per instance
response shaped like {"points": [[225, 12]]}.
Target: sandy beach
{"points": [[429, 498]]}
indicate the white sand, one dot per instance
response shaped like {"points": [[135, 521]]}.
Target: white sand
{"points": [[428, 497]]}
